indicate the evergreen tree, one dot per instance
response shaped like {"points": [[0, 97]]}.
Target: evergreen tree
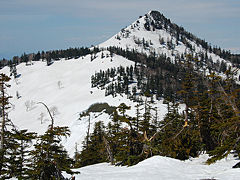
{"points": [[173, 140], [145, 123], [227, 125], [95, 152], [7, 142], [20, 158], [49, 158]]}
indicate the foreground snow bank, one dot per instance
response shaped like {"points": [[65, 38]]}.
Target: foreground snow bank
{"points": [[158, 167]]}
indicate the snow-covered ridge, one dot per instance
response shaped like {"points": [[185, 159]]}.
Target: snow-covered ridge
{"points": [[65, 87]]}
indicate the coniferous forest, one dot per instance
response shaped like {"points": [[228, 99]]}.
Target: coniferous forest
{"points": [[209, 123]]}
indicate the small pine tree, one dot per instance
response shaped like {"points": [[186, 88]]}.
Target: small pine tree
{"points": [[49, 157], [21, 158], [175, 141], [95, 151], [7, 142]]}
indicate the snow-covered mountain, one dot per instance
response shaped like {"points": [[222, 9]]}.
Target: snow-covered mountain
{"points": [[65, 86], [153, 33]]}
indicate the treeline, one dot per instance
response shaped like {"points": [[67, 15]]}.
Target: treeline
{"points": [[201, 61], [153, 76], [49, 56], [132, 82]]}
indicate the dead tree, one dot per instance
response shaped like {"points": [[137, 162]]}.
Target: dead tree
{"points": [[109, 152]]}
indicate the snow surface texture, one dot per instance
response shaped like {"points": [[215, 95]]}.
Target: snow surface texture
{"points": [[163, 168]]}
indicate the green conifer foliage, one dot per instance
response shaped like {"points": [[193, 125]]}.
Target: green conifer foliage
{"points": [[49, 157], [175, 141], [6, 140], [20, 158], [228, 125], [95, 152]]}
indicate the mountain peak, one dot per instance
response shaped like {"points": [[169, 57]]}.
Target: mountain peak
{"points": [[155, 34], [155, 20], [154, 12]]}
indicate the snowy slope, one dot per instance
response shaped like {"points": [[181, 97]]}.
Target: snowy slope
{"points": [[163, 168], [40, 83]]}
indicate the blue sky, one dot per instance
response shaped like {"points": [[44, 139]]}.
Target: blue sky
{"points": [[36, 25]]}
